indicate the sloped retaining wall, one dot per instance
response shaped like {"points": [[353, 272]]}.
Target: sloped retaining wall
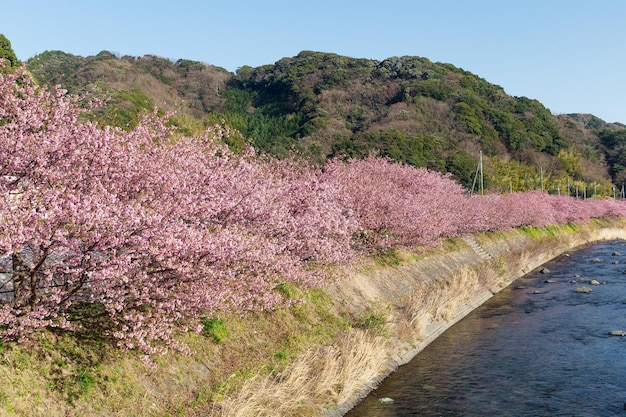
{"points": [[462, 281]]}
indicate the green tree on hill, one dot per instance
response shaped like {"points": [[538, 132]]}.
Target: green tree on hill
{"points": [[7, 53], [615, 154]]}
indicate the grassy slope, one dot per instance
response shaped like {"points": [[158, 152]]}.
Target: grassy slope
{"points": [[303, 360]]}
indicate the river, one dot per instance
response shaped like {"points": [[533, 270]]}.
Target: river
{"points": [[537, 348]]}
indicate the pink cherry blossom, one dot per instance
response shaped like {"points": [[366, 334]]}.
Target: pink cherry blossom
{"points": [[158, 230]]}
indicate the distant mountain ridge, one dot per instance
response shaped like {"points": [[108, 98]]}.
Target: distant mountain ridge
{"points": [[323, 105]]}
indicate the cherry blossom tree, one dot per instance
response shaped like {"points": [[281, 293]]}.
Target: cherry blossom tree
{"points": [[156, 229], [397, 204]]}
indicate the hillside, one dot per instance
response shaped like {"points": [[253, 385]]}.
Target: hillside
{"points": [[323, 105]]}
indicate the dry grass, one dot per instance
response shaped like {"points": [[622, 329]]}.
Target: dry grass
{"points": [[438, 300], [315, 382], [64, 375]]}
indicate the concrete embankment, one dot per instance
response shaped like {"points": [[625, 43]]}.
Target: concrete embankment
{"points": [[422, 299]]}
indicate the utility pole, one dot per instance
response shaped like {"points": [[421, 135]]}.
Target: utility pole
{"points": [[482, 184], [479, 175]]}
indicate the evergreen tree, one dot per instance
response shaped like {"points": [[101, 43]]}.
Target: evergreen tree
{"points": [[6, 52]]}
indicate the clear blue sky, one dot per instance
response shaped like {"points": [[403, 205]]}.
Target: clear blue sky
{"points": [[568, 54]]}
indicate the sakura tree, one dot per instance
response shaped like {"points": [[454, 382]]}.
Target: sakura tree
{"points": [[156, 229], [397, 204]]}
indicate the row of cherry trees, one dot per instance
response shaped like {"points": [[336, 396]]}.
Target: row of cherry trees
{"points": [[156, 229], [159, 230], [398, 205]]}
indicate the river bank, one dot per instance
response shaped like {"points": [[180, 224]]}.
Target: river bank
{"points": [[526, 350], [425, 298], [396, 310]]}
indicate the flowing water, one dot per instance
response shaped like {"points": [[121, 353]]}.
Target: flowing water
{"points": [[538, 348]]}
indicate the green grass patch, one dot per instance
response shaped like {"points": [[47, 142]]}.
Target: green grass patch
{"points": [[387, 257], [549, 231], [536, 233], [573, 227], [215, 328], [288, 291], [490, 236], [84, 380], [373, 319]]}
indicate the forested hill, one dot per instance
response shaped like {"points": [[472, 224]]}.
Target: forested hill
{"points": [[323, 105]]}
